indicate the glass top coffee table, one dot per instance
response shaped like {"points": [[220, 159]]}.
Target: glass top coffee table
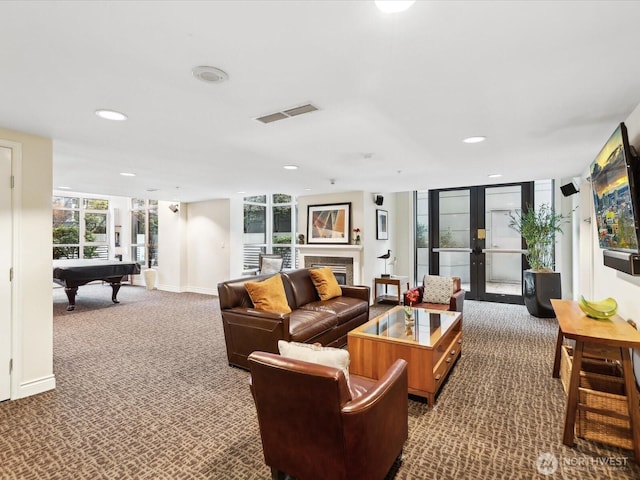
{"points": [[430, 344]]}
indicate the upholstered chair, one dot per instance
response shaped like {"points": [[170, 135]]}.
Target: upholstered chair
{"points": [[316, 425], [438, 293], [269, 263]]}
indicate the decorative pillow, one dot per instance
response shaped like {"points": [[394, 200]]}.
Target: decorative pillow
{"points": [[437, 289], [325, 282], [269, 295], [327, 356], [271, 265]]}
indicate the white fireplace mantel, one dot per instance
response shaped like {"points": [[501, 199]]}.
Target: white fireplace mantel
{"points": [[331, 250]]}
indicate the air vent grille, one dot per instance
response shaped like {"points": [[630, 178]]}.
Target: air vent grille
{"points": [[274, 117], [291, 112]]}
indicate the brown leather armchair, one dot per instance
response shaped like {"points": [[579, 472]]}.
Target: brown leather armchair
{"points": [[312, 428], [456, 302]]}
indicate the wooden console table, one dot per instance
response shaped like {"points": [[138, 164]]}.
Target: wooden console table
{"points": [[597, 337]]}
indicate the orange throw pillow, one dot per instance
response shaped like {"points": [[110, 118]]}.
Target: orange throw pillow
{"points": [[325, 282], [269, 295]]}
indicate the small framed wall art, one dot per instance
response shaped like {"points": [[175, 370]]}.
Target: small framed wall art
{"points": [[330, 223], [382, 224]]}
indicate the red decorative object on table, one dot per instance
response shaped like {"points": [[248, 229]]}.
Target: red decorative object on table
{"points": [[413, 296]]}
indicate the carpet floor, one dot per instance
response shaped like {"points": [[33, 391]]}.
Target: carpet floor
{"points": [[144, 391]]}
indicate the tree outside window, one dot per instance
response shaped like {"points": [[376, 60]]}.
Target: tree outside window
{"points": [[269, 223], [79, 227], [144, 231]]}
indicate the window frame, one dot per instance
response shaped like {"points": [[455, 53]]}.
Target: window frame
{"points": [[82, 212], [268, 245], [149, 247]]}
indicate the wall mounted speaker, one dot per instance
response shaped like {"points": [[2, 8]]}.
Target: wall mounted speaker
{"points": [[378, 199], [569, 189]]}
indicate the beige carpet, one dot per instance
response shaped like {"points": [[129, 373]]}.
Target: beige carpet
{"points": [[145, 392]]}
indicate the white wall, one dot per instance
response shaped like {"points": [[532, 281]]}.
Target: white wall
{"points": [[607, 282], [208, 245], [404, 234], [172, 247], [32, 340], [363, 216]]}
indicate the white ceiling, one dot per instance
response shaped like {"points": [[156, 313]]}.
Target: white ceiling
{"points": [[546, 82]]}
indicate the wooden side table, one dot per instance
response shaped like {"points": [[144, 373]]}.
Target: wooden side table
{"points": [[395, 281], [591, 335]]}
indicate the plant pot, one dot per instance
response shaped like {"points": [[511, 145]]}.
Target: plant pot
{"points": [[150, 276], [539, 289]]}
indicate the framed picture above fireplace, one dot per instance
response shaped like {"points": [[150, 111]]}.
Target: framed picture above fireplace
{"points": [[330, 223], [382, 224]]}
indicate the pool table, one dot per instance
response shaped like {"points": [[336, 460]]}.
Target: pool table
{"points": [[73, 273]]}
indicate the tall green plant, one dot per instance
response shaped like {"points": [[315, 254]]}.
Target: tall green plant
{"points": [[538, 228]]}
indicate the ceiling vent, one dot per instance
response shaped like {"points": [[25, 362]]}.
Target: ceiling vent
{"points": [[292, 112]]}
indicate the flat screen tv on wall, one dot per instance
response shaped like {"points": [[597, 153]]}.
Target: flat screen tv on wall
{"points": [[614, 180]]}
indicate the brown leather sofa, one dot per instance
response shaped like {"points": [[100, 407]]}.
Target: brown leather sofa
{"points": [[312, 428], [310, 321], [456, 302]]}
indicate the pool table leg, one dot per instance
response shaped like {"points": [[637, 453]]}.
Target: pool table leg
{"points": [[115, 287], [71, 296]]}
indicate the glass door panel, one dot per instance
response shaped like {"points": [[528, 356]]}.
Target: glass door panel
{"points": [[453, 242], [503, 245]]}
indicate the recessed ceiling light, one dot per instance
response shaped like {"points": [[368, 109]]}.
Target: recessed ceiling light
{"points": [[474, 139], [209, 74], [307, 189], [495, 175], [290, 167], [111, 115], [127, 174], [241, 192], [64, 188], [394, 6]]}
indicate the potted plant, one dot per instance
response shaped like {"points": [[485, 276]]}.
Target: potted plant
{"points": [[538, 227]]}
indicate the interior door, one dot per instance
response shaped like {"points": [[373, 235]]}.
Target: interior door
{"points": [[5, 266]]}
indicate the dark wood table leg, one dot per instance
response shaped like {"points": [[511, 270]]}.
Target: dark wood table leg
{"points": [[632, 400], [71, 296], [556, 361], [572, 395]]}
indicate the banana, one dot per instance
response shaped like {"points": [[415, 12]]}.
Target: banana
{"points": [[601, 309]]}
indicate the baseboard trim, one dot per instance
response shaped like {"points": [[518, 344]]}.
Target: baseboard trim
{"points": [[176, 289], [204, 291], [33, 387], [170, 288]]}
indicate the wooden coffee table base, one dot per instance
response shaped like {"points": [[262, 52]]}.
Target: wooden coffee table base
{"points": [[428, 366]]}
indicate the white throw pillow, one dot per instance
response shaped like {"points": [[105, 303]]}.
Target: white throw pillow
{"points": [[437, 289], [328, 356], [271, 265]]}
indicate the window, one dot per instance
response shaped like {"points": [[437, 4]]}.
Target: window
{"points": [[269, 226], [144, 231], [80, 227], [422, 234]]}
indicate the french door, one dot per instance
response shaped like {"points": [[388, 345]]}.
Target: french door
{"points": [[470, 238]]}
